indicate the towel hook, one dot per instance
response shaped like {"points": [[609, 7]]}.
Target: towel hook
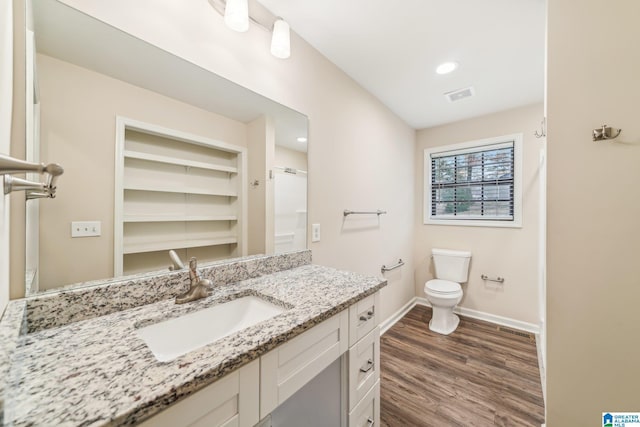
{"points": [[605, 132], [543, 129]]}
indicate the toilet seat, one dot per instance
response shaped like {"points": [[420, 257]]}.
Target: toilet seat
{"points": [[442, 287]]}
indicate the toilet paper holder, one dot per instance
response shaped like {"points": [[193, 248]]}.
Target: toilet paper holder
{"points": [[492, 279]]}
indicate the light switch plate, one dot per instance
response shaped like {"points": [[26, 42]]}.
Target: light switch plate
{"points": [[315, 233], [85, 228]]}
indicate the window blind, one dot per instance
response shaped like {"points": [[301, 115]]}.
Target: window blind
{"points": [[473, 183]]}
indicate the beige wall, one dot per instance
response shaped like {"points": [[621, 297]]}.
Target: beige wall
{"points": [[18, 136], [285, 157], [258, 133], [360, 154], [6, 88], [593, 281], [78, 113], [511, 253]]}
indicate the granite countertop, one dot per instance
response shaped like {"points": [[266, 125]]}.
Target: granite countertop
{"points": [[97, 371]]}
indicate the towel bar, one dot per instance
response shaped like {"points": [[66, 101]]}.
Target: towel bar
{"points": [[393, 267], [378, 212], [497, 279]]}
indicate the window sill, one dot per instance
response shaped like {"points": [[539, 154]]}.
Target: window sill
{"points": [[474, 223]]}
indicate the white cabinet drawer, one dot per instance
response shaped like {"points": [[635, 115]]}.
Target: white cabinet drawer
{"points": [[229, 402], [367, 412], [364, 366], [363, 317], [285, 369]]}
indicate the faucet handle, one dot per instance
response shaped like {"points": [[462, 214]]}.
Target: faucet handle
{"points": [[175, 260], [193, 272]]}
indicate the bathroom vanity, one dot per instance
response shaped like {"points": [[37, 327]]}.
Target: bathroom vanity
{"points": [[76, 357]]}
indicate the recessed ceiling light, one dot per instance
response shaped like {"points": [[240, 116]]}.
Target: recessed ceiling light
{"points": [[446, 67], [302, 139]]}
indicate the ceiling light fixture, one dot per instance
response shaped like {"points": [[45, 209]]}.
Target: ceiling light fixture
{"points": [[280, 40], [302, 139], [447, 67], [236, 15]]}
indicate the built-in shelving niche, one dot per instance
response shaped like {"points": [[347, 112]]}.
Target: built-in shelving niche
{"points": [[176, 191]]}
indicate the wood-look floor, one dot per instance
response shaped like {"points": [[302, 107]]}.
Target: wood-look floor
{"points": [[477, 376]]}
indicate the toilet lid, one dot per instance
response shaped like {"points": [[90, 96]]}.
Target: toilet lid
{"points": [[443, 286]]}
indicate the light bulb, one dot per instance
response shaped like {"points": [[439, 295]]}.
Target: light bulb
{"points": [[236, 15], [280, 40]]}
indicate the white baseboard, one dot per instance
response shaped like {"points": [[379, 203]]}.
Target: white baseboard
{"points": [[474, 314], [541, 347], [491, 318], [384, 326], [540, 359]]}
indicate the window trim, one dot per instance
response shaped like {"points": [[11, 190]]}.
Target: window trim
{"points": [[467, 146]]}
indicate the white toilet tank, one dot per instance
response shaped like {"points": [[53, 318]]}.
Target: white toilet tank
{"points": [[451, 265]]}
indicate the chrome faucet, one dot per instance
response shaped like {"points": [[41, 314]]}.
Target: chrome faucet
{"points": [[198, 288]]}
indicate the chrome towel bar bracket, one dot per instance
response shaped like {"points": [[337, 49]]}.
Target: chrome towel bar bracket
{"points": [[35, 190], [393, 267]]}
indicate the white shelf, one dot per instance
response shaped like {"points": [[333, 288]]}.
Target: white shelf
{"points": [[135, 248], [165, 189], [178, 218], [176, 191], [181, 162]]}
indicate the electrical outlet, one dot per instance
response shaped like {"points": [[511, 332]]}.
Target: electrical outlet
{"points": [[315, 233], [85, 228]]}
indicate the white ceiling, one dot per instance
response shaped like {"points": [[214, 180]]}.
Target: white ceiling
{"points": [[392, 48]]}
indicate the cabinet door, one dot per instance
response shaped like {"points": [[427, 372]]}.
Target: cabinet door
{"points": [[364, 366], [367, 412], [285, 369], [229, 402], [363, 317]]}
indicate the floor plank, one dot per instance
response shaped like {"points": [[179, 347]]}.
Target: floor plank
{"points": [[477, 376]]}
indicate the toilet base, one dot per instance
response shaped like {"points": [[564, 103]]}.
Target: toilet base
{"points": [[444, 324]]}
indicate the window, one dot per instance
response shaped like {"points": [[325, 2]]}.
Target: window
{"points": [[474, 183]]}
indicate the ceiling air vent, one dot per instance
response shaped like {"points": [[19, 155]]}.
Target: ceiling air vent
{"points": [[458, 94]]}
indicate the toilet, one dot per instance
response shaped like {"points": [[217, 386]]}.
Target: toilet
{"points": [[444, 292]]}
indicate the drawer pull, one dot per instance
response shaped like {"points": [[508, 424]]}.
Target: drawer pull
{"points": [[369, 315], [370, 422], [369, 366]]}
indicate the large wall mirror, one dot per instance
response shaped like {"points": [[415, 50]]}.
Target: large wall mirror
{"points": [[158, 153]]}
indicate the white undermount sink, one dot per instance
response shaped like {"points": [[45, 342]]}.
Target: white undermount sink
{"points": [[172, 338]]}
